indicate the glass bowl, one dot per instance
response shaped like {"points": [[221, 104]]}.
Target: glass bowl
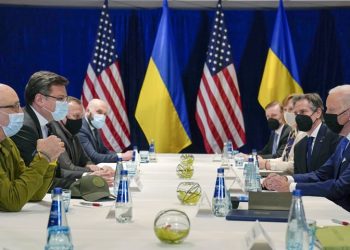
{"points": [[189, 193], [171, 226], [187, 159], [184, 171]]}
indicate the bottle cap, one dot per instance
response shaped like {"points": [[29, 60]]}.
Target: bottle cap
{"points": [[124, 172], [297, 192], [134, 147], [253, 150], [57, 190], [221, 170]]}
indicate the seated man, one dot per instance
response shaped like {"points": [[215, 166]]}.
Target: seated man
{"points": [[74, 163], [18, 183], [280, 131], [285, 163], [90, 137], [332, 179]]}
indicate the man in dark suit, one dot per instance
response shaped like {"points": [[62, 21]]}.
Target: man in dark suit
{"points": [[319, 144], [74, 163], [90, 136], [45, 96], [332, 179], [280, 131]]}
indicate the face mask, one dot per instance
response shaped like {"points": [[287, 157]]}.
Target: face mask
{"points": [[98, 121], [304, 122], [73, 126], [273, 124], [289, 117], [332, 123], [61, 111], [15, 124]]}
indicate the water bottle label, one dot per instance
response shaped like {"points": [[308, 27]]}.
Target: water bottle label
{"points": [[219, 191], [55, 218], [123, 192]]}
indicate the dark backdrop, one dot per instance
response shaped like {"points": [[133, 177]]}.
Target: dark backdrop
{"points": [[62, 39]]}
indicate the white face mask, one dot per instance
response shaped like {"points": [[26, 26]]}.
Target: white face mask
{"points": [[289, 117], [15, 124], [98, 121]]}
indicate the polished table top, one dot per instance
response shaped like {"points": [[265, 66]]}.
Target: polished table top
{"points": [[92, 230]]}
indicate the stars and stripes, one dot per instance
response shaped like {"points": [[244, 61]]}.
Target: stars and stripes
{"points": [[219, 110], [103, 81]]}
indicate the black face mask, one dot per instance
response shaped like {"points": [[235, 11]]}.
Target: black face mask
{"points": [[304, 122], [332, 123], [273, 124], [74, 126]]}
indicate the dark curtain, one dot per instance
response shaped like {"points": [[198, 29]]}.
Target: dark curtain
{"points": [[62, 39]]}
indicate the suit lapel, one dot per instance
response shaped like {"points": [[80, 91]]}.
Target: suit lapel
{"points": [[317, 146], [302, 149], [86, 126], [31, 113], [344, 155]]}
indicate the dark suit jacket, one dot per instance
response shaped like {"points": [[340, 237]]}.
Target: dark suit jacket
{"points": [[26, 140], [324, 146], [266, 152], [331, 180], [95, 148], [72, 162]]}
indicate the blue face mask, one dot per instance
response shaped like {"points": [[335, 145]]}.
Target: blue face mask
{"points": [[98, 121], [61, 111], [15, 124]]}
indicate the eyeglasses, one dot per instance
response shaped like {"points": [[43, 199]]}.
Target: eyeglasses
{"points": [[61, 99], [14, 107]]}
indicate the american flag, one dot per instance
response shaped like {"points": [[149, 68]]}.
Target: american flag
{"points": [[219, 108], [103, 81]]}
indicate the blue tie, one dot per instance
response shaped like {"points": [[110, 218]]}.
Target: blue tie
{"points": [[275, 144], [289, 145], [309, 151]]}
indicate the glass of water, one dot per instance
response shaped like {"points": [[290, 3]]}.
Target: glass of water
{"points": [[66, 196]]}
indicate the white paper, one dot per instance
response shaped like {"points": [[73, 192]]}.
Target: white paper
{"points": [[254, 233], [204, 207]]}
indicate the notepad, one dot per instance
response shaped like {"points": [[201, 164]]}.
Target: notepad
{"points": [[260, 215], [334, 237]]}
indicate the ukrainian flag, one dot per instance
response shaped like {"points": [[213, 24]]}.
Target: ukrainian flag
{"points": [[280, 76], [161, 109]]}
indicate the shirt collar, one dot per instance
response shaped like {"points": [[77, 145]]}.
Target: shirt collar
{"points": [[315, 132], [41, 119], [92, 128], [279, 130]]}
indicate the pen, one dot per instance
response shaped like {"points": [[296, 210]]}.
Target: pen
{"points": [[93, 204], [344, 223]]}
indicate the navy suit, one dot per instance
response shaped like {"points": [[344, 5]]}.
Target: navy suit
{"points": [[266, 152], [332, 179], [324, 146], [95, 148]]}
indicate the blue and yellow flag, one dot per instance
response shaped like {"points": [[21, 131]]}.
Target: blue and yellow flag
{"points": [[281, 73], [161, 108]]}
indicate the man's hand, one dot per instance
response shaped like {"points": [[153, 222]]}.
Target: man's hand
{"points": [[93, 167], [277, 183], [127, 155], [262, 162], [105, 174], [51, 147]]}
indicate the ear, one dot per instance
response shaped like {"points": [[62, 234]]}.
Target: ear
{"points": [[39, 99]]}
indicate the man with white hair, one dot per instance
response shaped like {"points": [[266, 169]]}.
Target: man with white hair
{"points": [[90, 136], [332, 179], [20, 183]]}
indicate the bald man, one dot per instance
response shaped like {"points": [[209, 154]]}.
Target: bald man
{"points": [[18, 183], [90, 136], [332, 179]]}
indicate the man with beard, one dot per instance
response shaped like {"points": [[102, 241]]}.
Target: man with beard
{"points": [[280, 131]]}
